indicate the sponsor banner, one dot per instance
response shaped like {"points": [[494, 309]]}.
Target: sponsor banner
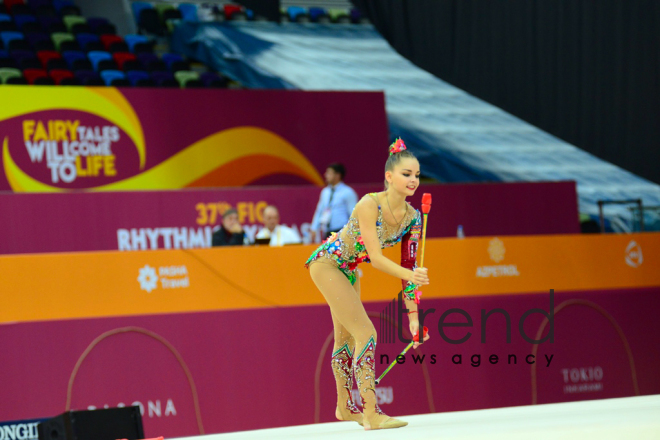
{"points": [[216, 369], [152, 220], [96, 284], [106, 139], [20, 429]]}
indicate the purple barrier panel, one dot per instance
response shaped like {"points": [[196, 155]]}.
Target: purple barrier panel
{"points": [[36, 223], [264, 362]]}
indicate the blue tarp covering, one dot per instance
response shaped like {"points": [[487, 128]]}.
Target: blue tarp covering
{"points": [[456, 136]]}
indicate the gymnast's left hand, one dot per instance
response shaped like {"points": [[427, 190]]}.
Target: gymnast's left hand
{"points": [[414, 328]]}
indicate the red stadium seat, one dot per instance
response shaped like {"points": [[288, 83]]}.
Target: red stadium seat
{"points": [[109, 39], [122, 57], [33, 74], [231, 9], [47, 55], [10, 3], [58, 75]]}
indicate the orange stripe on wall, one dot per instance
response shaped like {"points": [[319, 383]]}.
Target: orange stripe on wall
{"points": [[96, 284]]}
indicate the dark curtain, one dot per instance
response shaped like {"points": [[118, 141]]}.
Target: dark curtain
{"points": [[587, 71]]}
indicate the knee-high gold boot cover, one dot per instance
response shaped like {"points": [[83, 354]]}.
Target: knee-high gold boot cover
{"points": [[365, 375], [342, 367]]}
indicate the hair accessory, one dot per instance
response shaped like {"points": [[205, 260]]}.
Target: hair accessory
{"points": [[397, 146]]}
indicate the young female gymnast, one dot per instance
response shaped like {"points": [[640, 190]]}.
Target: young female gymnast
{"points": [[379, 220]]}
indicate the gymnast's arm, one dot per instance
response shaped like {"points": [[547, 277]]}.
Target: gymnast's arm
{"points": [[367, 214]]}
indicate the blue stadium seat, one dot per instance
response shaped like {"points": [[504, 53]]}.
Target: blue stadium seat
{"points": [[188, 12], [138, 7], [111, 75], [133, 39], [138, 77], [6, 37], [316, 13], [84, 40], [96, 56], [21, 20], [5, 17], [295, 11]]}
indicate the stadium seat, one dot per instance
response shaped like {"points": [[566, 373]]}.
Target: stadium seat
{"points": [[89, 42], [105, 29], [58, 75], [356, 16], [210, 79], [59, 38], [75, 24], [175, 62], [5, 17], [6, 61], [7, 73], [76, 60], [188, 12], [44, 10], [164, 79], [137, 8], [139, 79], [230, 9], [339, 15], [51, 24], [61, 4], [46, 55], [32, 75], [89, 78], [114, 43], [151, 62], [26, 59], [36, 4], [9, 4], [100, 59], [149, 21], [184, 77], [40, 41], [8, 37], [122, 57], [319, 15], [297, 14], [7, 26], [138, 43], [22, 20], [95, 22], [111, 76]]}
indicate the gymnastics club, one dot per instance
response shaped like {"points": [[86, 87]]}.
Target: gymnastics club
{"points": [[415, 339]]}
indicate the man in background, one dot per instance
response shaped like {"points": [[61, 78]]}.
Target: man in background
{"points": [[279, 234], [335, 205], [230, 232]]}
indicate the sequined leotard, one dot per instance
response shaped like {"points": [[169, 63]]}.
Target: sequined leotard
{"points": [[346, 248]]}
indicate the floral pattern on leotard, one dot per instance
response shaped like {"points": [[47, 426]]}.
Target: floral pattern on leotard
{"points": [[346, 248]]}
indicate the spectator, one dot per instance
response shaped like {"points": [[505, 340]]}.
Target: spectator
{"points": [[335, 205], [231, 232], [279, 234]]}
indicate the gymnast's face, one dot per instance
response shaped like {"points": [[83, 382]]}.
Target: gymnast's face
{"points": [[404, 178]]}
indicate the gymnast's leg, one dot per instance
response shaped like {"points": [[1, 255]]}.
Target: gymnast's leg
{"points": [[342, 367], [347, 308]]}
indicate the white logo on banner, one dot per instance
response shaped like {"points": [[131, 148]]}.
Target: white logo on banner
{"points": [[496, 251], [148, 279], [634, 256], [171, 277], [582, 380]]}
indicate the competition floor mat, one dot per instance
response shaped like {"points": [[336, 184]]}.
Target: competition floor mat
{"points": [[622, 418]]}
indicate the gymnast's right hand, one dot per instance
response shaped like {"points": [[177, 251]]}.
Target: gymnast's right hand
{"points": [[420, 276]]}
